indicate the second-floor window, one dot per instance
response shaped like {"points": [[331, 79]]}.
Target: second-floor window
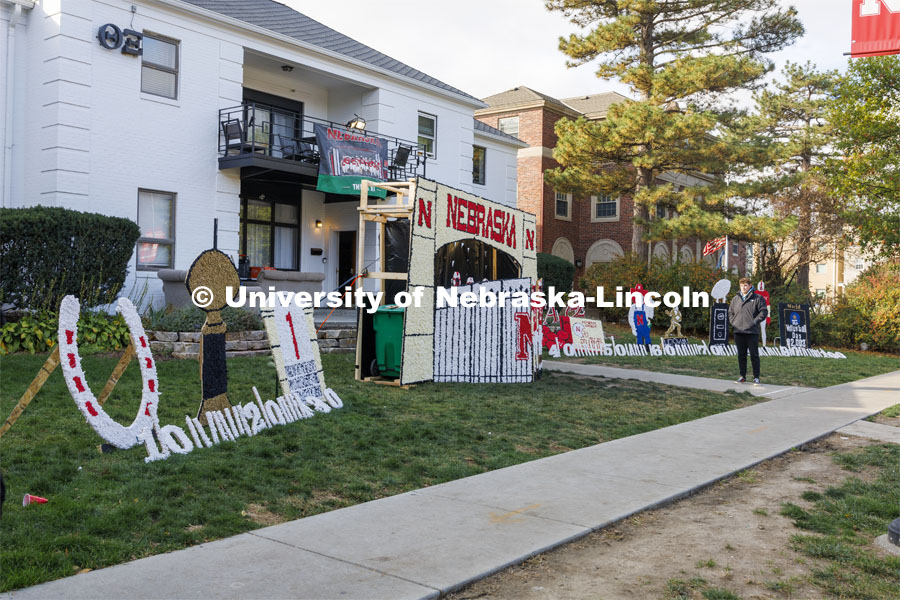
{"points": [[427, 133], [159, 67], [734, 249], [509, 125], [604, 208], [563, 206], [479, 154]]}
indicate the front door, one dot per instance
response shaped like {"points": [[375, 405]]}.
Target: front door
{"points": [[346, 264]]}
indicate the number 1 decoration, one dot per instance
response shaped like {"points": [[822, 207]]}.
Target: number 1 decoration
{"points": [[292, 336]]}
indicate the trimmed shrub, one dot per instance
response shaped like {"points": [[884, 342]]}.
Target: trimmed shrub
{"points": [[555, 271], [47, 253]]}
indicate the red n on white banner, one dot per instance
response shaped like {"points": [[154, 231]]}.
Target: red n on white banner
{"points": [[876, 27]]}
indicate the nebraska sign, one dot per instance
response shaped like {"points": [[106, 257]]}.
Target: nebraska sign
{"points": [[876, 27]]}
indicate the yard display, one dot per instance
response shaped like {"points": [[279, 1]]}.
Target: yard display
{"points": [[793, 323], [761, 290], [208, 281], [719, 325], [291, 332], [460, 343], [146, 420], [298, 363], [673, 335], [639, 317]]}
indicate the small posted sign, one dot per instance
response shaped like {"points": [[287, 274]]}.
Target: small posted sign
{"points": [[587, 335], [793, 323], [718, 324]]}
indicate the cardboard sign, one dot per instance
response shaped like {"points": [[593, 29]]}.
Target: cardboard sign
{"points": [[292, 336], [587, 334], [793, 323], [718, 324]]}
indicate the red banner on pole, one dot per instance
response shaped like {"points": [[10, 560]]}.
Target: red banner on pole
{"points": [[876, 27]]}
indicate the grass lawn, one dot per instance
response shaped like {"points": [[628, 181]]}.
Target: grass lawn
{"points": [[809, 372], [842, 523], [109, 508]]}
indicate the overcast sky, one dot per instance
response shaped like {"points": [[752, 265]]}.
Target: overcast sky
{"points": [[487, 46]]}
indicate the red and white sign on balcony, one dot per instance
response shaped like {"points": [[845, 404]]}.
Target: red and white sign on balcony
{"points": [[876, 28]]}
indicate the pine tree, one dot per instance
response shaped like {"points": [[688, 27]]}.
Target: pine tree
{"points": [[680, 57], [789, 139]]}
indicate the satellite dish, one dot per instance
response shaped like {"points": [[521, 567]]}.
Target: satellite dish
{"points": [[721, 289]]}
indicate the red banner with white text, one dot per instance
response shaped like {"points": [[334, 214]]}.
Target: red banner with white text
{"points": [[876, 27]]}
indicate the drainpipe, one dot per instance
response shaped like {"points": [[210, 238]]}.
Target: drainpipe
{"points": [[10, 103]]}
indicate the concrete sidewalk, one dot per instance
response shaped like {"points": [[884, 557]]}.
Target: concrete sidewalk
{"points": [[430, 541], [688, 381]]}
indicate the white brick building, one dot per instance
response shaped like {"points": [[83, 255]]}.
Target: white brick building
{"points": [[96, 129]]}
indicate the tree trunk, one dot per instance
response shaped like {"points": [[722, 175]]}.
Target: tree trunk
{"points": [[638, 245]]}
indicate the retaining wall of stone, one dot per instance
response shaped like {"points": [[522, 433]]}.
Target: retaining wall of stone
{"points": [[186, 344]]}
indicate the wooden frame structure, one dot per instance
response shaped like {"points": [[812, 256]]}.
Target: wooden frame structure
{"points": [[379, 211]]}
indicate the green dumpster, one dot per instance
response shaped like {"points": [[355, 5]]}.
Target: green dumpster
{"points": [[388, 325]]}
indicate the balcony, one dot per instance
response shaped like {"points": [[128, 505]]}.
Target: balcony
{"points": [[268, 138]]}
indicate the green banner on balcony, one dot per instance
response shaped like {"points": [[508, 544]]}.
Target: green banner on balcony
{"points": [[346, 184], [348, 157]]}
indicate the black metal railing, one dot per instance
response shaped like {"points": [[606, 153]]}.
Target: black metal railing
{"points": [[257, 128]]}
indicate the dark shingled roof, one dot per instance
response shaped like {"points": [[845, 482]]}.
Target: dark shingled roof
{"points": [[484, 127], [284, 20]]}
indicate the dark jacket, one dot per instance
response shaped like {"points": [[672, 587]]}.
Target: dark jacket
{"points": [[746, 315]]}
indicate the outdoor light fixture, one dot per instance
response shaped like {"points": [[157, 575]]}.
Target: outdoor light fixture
{"points": [[287, 68], [579, 263], [356, 122], [318, 224]]}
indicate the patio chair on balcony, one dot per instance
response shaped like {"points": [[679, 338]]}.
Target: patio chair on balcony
{"points": [[397, 168], [234, 135], [294, 149]]}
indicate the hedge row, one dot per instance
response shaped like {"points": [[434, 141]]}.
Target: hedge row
{"points": [[47, 253]]}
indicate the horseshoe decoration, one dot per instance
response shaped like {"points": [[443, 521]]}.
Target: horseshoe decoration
{"points": [[118, 435]]}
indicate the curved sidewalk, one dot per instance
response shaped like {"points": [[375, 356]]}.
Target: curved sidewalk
{"points": [[688, 381], [434, 540]]}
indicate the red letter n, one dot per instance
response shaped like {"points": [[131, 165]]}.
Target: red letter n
{"points": [[425, 213]]}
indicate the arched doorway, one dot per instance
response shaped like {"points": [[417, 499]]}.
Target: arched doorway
{"points": [[472, 259]]}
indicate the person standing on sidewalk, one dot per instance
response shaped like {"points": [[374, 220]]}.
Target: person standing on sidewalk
{"points": [[747, 311]]}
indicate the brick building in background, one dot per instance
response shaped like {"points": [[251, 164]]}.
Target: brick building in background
{"points": [[582, 230]]}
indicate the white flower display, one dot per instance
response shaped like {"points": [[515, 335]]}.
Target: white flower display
{"points": [[443, 215], [223, 425], [116, 434]]}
